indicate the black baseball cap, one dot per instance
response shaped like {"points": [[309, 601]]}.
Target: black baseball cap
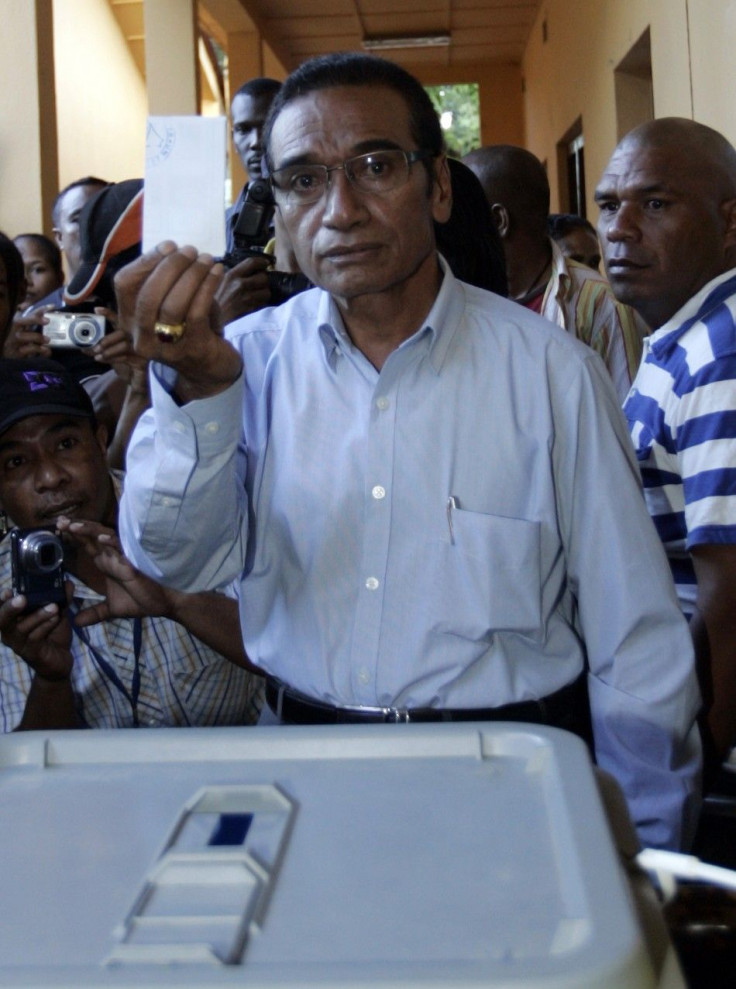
{"points": [[39, 386], [110, 235]]}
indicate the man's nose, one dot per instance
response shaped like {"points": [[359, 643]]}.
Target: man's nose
{"points": [[621, 224], [343, 203], [49, 474]]}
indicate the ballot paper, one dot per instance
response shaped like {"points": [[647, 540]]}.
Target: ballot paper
{"points": [[185, 183]]}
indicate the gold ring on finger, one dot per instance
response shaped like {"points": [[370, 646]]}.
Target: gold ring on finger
{"points": [[169, 332]]}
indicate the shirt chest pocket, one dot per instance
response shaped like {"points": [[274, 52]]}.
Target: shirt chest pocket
{"points": [[487, 576]]}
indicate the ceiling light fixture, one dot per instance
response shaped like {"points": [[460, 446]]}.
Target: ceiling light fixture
{"points": [[384, 42]]}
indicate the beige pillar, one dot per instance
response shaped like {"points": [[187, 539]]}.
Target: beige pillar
{"points": [[30, 171], [245, 61], [172, 73]]}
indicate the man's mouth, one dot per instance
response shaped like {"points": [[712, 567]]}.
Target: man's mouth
{"points": [[68, 508], [622, 265], [349, 252]]}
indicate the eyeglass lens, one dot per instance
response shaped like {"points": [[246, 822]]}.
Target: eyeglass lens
{"points": [[375, 172]]}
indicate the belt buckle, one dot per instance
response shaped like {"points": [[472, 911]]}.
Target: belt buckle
{"points": [[396, 715]]}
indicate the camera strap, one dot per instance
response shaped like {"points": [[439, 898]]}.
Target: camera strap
{"points": [[108, 670]]}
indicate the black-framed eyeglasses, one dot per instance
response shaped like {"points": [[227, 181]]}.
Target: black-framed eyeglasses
{"points": [[376, 173]]}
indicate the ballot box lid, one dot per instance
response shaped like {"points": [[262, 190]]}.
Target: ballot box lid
{"points": [[452, 855]]}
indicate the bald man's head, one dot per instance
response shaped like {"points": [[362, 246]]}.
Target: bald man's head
{"points": [[668, 214], [702, 148], [516, 179]]}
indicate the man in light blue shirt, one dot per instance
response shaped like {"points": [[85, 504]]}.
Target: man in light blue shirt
{"points": [[428, 492]]}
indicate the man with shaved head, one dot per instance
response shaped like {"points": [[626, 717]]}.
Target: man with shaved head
{"points": [[668, 232], [540, 277]]}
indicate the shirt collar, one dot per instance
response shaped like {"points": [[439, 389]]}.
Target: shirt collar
{"points": [[560, 284], [437, 329], [710, 296]]}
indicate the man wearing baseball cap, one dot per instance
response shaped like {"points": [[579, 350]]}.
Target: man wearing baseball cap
{"points": [[123, 651], [110, 231]]}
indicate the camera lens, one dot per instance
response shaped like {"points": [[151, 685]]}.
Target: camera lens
{"points": [[84, 332], [259, 191], [41, 552]]}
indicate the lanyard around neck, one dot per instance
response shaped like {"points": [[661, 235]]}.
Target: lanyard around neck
{"points": [[108, 670]]}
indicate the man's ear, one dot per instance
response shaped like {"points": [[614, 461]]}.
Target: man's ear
{"points": [[728, 210], [101, 437], [501, 218], [57, 237], [441, 194]]}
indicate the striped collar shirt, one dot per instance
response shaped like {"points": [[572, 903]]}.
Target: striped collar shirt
{"points": [[682, 417], [581, 301]]}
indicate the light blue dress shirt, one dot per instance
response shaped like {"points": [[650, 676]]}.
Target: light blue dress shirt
{"points": [[459, 530]]}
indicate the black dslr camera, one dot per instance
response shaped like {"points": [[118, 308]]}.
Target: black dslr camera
{"points": [[37, 560], [251, 231]]}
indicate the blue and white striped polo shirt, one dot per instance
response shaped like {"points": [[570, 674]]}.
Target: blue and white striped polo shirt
{"points": [[682, 416]]}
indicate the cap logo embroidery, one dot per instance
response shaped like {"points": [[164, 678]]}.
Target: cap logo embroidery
{"points": [[38, 380]]}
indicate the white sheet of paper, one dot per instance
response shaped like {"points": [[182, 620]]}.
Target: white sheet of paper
{"points": [[185, 183]]}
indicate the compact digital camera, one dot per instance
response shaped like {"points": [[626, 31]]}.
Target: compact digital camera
{"points": [[37, 560], [73, 329]]}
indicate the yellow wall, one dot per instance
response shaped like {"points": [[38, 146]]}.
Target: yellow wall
{"points": [[712, 44], [499, 91], [249, 57], [28, 166], [101, 98], [572, 74], [272, 66]]}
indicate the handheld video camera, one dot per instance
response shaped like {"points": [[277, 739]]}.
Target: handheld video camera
{"points": [[37, 563], [250, 233]]}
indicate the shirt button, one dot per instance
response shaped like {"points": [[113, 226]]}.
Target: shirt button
{"points": [[167, 502], [382, 403], [364, 676], [212, 427], [179, 427], [372, 584], [378, 492]]}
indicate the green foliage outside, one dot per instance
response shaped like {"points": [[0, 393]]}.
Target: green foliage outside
{"points": [[458, 105]]}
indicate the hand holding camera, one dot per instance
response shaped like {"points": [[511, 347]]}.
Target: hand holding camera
{"points": [[32, 622], [74, 329], [128, 592], [26, 338], [240, 293], [37, 564], [244, 288]]}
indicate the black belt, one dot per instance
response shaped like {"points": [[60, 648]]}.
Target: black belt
{"points": [[566, 708]]}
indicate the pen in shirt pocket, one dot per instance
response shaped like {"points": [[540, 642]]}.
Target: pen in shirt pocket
{"points": [[451, 507]]}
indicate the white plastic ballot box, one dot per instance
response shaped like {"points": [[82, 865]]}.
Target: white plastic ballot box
{"points": [[453, 855]]}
